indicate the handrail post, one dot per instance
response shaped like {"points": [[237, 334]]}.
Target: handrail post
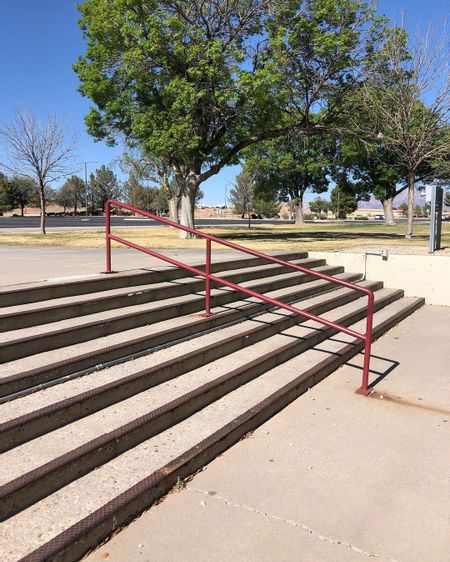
{"points": [[367, 337], [108, 239], [364, 388], [208, 279]]}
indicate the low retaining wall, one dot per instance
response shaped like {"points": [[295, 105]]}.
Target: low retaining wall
{"points": [[418, 275]]}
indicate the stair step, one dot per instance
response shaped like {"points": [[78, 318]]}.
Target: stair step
{"points": [[127, 484], [28, 293], [44, 312], [29, 341], [24, 373], [152, 411], [127, 379]]}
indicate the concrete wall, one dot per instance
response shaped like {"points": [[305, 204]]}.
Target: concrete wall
{"points": [[419, 275]]}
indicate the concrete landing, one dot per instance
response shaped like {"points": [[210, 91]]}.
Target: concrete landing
{"points": [[27, 264], [333, 477]]}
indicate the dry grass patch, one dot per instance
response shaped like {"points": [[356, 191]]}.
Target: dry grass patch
{"points": [[271, 237]]}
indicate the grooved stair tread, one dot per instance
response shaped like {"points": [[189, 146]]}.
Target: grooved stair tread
{"points": [[72, 351], [57, 281], [36, 525], [50, 328], [131, 274], [136, 289], [40, 399], [41, 450]]}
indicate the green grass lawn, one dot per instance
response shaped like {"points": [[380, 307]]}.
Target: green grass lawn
{"points": [[271, 237]]}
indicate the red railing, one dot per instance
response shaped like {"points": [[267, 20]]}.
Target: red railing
{"points": [[366, 337]]}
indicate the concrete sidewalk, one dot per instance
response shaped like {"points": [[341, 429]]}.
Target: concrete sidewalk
{"points": [[25, 265], [333, 477]]}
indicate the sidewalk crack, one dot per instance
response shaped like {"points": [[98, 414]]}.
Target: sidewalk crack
{"points": [[293, 523]]}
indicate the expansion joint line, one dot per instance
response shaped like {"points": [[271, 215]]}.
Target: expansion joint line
{"points": [[291, 522]]}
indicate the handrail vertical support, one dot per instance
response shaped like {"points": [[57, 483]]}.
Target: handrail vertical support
{"points": [[208, 279], [108, 239], [364, 388], [366, 337]]}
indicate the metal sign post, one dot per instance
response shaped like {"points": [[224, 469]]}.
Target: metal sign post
{"points": [[435, 196]]}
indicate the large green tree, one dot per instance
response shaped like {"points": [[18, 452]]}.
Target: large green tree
{"points": [[242, 195], [195, 82], [375, 171], [343, 198], [319, 206], [18, 192], [104, 186], [289, 167], [5, 204], [72, 193]]}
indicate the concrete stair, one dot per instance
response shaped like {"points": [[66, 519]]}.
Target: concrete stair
{"points": [[113, 389]]}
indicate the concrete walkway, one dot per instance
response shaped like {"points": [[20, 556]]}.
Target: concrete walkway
{"points": [[29, 264], [333, 477]]}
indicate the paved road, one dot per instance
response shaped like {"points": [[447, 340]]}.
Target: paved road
{"points": [[12, 223], [92, 222]]}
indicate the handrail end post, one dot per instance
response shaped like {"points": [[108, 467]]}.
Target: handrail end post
{"points": [[365, 389], [208, 279], [108, 239]]}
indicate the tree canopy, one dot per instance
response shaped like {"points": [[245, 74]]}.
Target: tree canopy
{"points": [[242, 195], [72, 193], [104, 186], [288, 167], [194, 83]]}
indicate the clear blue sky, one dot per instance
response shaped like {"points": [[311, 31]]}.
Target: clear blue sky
{"points": [[40, 40]]}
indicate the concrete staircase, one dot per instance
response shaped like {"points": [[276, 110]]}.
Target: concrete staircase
{"points": [[114, 388]]}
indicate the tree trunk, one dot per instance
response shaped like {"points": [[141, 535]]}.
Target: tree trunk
{"points": [[409, 229], [187, 215], [42, 203], [299, 217], [22, 207], [388, 210], [188, 194], [173, 208], [75, 205]]}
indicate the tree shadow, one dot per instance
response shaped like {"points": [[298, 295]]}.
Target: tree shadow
{"points": [[316, 235]]}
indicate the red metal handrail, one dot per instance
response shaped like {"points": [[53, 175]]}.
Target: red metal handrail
{"points": [[366, 337]]}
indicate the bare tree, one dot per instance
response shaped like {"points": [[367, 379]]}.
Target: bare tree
{"points": [[407, 101], [39, 150], [143, 166]]}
